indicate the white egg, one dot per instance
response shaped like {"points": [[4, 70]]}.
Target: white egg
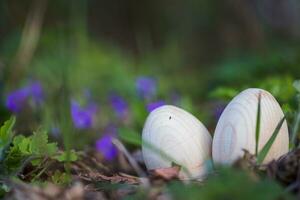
{"points": [[236, 128], [172, 135]]}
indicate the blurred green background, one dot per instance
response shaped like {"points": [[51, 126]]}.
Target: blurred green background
{"points": [[200, 52]]}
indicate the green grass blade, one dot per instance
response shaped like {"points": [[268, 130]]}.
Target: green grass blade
{"points": [[295, 128], [257, 129], [263, 153], [296, 124]]}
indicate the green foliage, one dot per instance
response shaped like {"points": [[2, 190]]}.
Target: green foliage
{"points": [[225, 93], [280, 87], [60, 178], [130, 136], [40, 144], [6, 135], [250, 68], [35, 147], [67, 55], [263, 153], [139, 112], [16, 155], [64, 157], [296, 123], [187, 104], [228, 183]]}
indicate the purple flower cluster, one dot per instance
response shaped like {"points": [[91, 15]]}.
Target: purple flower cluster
{"points": [[152, 106], [83, 116], [146, 87], [37, 93], [105, 146], [119, 105], [16, 100]]}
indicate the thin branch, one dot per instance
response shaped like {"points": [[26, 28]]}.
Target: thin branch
{"points": [[133, 163]]}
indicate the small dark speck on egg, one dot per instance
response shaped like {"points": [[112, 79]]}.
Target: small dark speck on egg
{"points": [[169, 117]]}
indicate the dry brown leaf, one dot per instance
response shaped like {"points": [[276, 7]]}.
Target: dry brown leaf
{"points": [[166, 173]]}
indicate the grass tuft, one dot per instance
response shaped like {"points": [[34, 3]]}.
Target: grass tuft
{"points": [[263, 153]]}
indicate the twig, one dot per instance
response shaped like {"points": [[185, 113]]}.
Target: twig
{"points": [[37, 168], [134, 164], [43, 170]]}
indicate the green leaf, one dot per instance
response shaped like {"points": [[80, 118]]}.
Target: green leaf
{"points": [[40, 145], [63, 157], [6, 131], [60, 178], [17, 153], [34, 147], [257, 129], [23, 144], [15, 158], [6, 134], [36, 161], [52, 149], [130, 136], [263, 153]]}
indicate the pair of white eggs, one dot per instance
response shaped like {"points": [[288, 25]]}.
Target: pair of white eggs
{"points": [[172, 135]]}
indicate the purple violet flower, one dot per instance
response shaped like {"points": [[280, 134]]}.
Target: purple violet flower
{"points": [[152, 106], [105, 146], [146, 87], [36, 92], [16, 100], [83, 117], [119, 105]]}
